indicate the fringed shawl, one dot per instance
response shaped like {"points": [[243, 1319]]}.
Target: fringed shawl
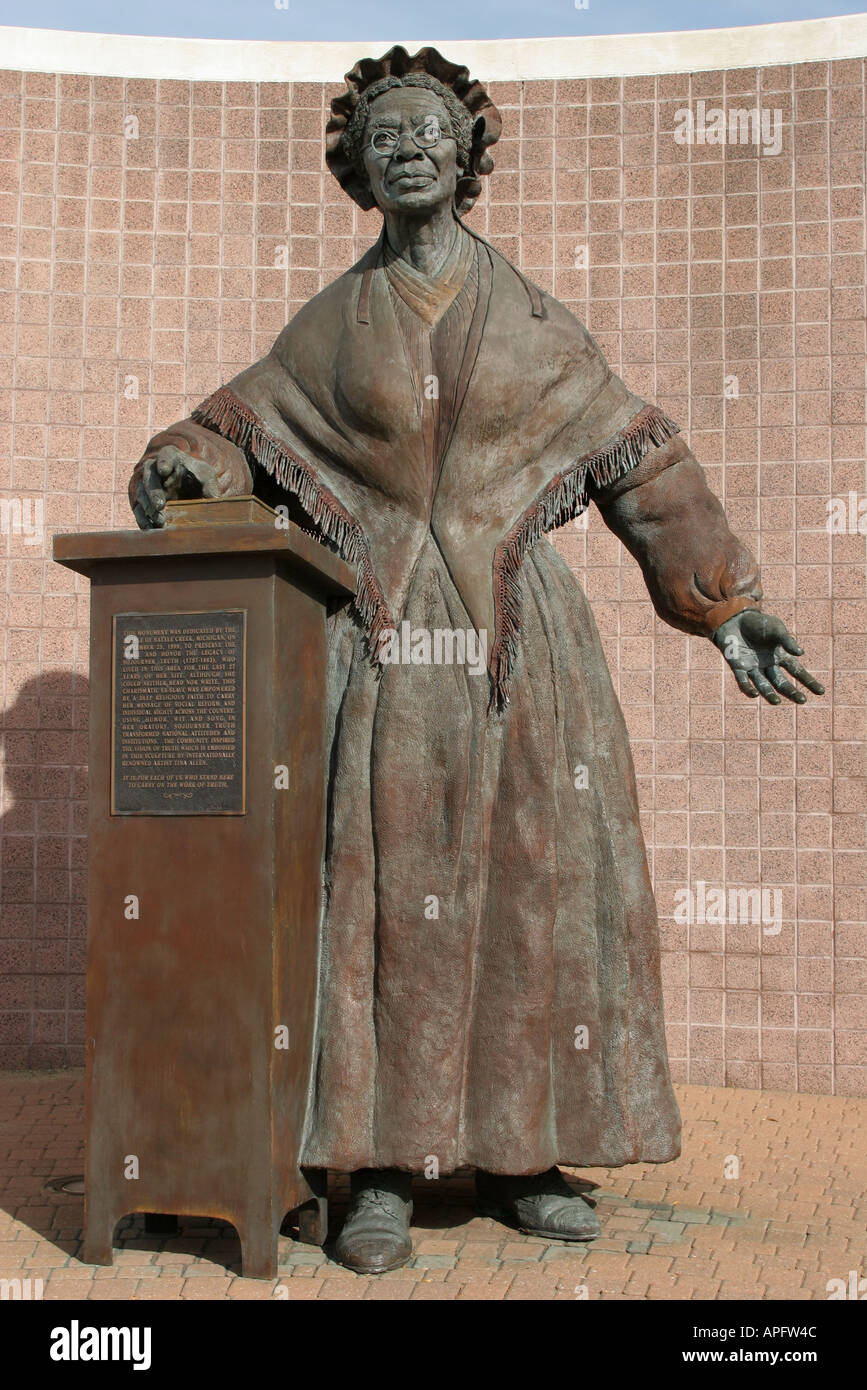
{"points": [[565, 497], [331, 415], [229, 416]]}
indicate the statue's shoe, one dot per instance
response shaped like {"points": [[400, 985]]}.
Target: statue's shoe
{"points": [[375, 1235], [541, 1205]]}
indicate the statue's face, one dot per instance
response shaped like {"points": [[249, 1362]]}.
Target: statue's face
{"points": [[405, 178]]}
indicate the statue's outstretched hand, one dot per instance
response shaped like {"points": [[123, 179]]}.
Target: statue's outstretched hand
{"points": [[762, 654], [168, 474]]}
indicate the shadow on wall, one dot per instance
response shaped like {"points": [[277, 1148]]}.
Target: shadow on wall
{"points": [[43, 873]]}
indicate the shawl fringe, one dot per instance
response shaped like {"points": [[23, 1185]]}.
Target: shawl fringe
{"points": [[565, 497], [225, 413]]}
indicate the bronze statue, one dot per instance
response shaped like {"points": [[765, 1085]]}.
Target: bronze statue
{"points": [[489, 979]]}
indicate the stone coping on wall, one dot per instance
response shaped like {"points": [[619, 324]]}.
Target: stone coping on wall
{"points": [[501, 60]]}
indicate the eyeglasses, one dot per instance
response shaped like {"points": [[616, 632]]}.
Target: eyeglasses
{"points": [[424, 137]]}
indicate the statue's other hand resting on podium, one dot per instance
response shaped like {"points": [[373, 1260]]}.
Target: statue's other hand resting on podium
{"points": [[185, 461]]}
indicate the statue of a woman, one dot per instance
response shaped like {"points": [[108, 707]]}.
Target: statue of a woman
{"points": [[489, 977]]}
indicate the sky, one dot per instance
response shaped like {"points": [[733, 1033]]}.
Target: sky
{"points": [[392, 20]]}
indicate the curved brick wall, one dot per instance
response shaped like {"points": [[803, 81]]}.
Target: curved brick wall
{"points": [[156, 233]]}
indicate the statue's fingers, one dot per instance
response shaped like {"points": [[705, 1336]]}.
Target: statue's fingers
{"points": [[171, 472], [141, 503], [142, 518], [801, 673], [148, 499], [151, 478], [152, 501], [785, 687], [206, 476], [151, 496], [173, 464], [156, 486], [744, 683], [786, 640], [764, 687]]}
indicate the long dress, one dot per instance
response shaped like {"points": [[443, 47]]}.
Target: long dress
{"points": [[489, 974], [481, 795]]}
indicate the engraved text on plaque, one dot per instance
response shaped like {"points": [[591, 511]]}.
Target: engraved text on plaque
{"points": [[178, 714]]}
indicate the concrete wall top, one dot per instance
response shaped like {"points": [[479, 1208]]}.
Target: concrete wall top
{"points": [[499, 60]]}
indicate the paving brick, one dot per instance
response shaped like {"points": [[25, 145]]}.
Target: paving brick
{"points": [[167, 1287], [12, 1252], [336, 1289], [380, 1291], [308, 1289], [206, 1288], [439, 1292], [330, 1270], [462, 1275], [522, 1250], [119, 1289], [256, 1291], [73, 1289], [427, 1246]]}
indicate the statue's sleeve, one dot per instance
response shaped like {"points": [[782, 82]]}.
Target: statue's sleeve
{"points": [[697, 572], [228, 461]]}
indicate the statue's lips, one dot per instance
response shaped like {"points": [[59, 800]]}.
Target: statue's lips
{"points": [[411, 180]]}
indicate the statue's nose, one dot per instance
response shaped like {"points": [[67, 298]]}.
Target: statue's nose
{"points": [[406, 147]]}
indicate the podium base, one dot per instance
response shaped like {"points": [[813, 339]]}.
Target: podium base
{"points": [[258, 1245]]}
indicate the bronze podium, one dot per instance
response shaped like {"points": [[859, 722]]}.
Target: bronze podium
{"points": [[206, 835]]}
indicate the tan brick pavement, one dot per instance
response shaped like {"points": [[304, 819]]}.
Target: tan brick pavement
{"points": [[793, 1217]]}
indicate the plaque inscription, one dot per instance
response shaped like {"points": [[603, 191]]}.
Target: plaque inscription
{"points": [[178, 706]]}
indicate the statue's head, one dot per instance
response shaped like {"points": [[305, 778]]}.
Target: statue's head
{"points": [[411, 133]]}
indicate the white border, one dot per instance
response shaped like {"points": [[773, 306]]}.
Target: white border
{"points": [[498, 60]]}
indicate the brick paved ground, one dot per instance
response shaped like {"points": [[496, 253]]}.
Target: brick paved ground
{"points": [[794, 1219]]}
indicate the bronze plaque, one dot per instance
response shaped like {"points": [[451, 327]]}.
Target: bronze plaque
{"points": [[178, 704]]}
